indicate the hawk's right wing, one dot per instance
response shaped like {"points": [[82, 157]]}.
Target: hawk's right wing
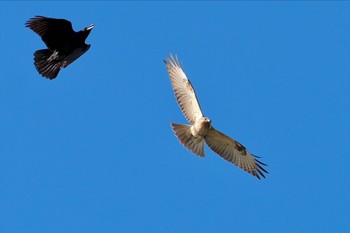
{"points": [[184, 92]]}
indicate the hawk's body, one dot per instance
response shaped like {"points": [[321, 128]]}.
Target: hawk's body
{"points": [[193, 136]]}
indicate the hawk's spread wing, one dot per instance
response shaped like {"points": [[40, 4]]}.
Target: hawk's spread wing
{"points": [[54, 32], [234, 152], [184, 92]]}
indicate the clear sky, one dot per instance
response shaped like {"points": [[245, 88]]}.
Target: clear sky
{"points": [[93, 151]]}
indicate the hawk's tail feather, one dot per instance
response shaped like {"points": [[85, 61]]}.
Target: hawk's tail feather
{"points": [[194, 144]]}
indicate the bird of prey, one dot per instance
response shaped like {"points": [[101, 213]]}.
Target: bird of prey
{"points": [[63, 43], [193, 136]]}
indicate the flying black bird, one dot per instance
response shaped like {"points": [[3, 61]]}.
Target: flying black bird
{"points": [[193, 136], [63, 43]]}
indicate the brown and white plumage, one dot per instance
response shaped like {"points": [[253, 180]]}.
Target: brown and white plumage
{"points": [[183, 90], [193, 136]]}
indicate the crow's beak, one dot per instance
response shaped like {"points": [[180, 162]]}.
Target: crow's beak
{"points": [[89, 28]]}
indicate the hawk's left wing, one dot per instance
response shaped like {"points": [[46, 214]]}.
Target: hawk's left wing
{"points": [[234, 152]]}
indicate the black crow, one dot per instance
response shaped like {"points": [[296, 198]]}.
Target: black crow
{"points": [[64, 44]]}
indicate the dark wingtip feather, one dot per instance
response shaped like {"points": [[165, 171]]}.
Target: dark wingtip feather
{"points": [[260, 170], [261, 173], [261, 163], [263, 169]]}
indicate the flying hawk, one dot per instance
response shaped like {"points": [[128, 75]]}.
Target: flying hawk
{"points": [[64, 44], [193, 136]]}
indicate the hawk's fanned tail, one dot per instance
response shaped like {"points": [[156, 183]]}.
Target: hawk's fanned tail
{"points": [[194, 144]]}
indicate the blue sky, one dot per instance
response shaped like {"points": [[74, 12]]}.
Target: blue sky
{"points": [[93, 151]]}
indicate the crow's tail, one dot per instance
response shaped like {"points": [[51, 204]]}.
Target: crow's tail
{"points": [[46, 64]]}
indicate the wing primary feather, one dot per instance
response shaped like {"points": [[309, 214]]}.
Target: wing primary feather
{"points": [[260, 167], [259, 161], [260, 172]]}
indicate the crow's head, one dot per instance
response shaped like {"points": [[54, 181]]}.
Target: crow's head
{"points": [[85, 32]]}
